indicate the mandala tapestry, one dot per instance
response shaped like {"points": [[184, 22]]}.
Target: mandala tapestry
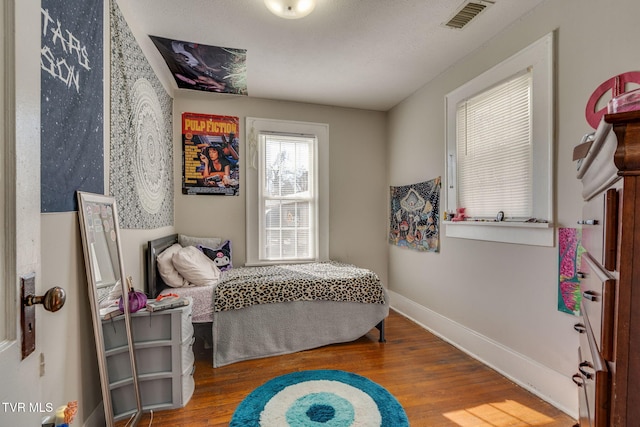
{"points": [[570, 254], [141, 163], [414, 219]]}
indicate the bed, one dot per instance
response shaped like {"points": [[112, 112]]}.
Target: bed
{"points": [[243, 328]]}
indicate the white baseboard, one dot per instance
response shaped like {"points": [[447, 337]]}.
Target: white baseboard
{"points": [[96, 418], [540, 380]]}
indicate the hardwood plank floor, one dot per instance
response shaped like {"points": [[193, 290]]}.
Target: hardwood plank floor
{"points": [[436, 384]]}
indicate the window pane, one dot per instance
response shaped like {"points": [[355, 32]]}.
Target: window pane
{"points": [[288, 198], [494, 150], [287, 226], [273, 244], [287, 165], [303, 240], [289, 244], [272, 214], [303, 210]]}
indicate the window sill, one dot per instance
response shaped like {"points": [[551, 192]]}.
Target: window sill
{"points": [[279, 262], [523, 233]]}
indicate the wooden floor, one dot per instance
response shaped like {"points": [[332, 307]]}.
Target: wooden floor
{"points": [[436, 384]]}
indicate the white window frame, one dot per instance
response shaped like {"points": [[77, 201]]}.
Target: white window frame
{"points": [[309, 197], [539, 57], [254, 127]]}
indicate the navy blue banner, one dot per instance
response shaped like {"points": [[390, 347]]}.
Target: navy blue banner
{"points": [[72, 101]]}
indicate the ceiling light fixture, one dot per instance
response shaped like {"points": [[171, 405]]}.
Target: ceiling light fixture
{"points": [[290, 9]]}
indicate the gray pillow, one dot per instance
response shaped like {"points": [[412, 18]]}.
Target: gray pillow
{"points": [[212, 242]]}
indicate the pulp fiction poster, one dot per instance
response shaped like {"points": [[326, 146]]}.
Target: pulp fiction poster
{"points": [[210, 150]]}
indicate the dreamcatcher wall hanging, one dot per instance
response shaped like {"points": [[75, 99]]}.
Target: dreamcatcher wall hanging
{"points": [[414, 216]]}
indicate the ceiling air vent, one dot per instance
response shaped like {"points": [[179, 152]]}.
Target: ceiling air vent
{"points": [[467, 12]]}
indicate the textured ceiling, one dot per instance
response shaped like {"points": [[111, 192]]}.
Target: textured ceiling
{"points": [[368, 54]]}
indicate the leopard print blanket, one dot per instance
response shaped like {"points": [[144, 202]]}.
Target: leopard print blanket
{"points": [[326, 281]]}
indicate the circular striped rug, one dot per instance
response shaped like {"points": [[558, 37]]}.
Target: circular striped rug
{"points": [[321, 398]]}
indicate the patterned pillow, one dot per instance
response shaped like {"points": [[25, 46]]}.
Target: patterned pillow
{"points": [[220, 255]]}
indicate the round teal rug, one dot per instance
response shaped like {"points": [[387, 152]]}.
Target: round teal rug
{"points": [[323, 398]]}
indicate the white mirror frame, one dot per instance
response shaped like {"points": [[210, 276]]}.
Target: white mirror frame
{"points": [[84, 200]]}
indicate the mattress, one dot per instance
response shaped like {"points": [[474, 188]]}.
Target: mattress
{"points": [[202, 298]]}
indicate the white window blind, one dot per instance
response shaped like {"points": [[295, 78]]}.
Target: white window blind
{"points": [[494, 150], [287, 197]]}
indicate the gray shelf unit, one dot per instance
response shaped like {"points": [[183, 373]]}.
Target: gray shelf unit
{"points": [[163, 342]]}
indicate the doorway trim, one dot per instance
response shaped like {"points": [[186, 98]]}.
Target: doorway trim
{"points": [[8, 291]]}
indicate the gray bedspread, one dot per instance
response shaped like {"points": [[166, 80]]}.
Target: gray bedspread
{"points": [[275, 328]]}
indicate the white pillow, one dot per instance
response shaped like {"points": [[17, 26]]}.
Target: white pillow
{"points": [[166, 269], [211, 242], [196, 267]]}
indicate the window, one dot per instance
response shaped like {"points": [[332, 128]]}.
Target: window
{"points": [[499, 150], [288, 197], [287, 191]]}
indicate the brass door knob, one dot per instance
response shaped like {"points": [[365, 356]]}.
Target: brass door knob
{"points": [[52, 300]]}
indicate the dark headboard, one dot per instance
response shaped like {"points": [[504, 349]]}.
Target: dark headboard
{"points": [[155, 284]]}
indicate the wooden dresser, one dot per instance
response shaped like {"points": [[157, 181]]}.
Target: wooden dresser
{"points": [[608, 376]]}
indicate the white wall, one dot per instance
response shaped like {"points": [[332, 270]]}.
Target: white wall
{"points": [[498, 301], [358, 191]]}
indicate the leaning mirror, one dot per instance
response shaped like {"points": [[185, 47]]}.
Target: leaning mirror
{"points": [[111, 320]]}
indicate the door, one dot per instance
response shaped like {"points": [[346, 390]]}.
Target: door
{"points": [[20, 388]]}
